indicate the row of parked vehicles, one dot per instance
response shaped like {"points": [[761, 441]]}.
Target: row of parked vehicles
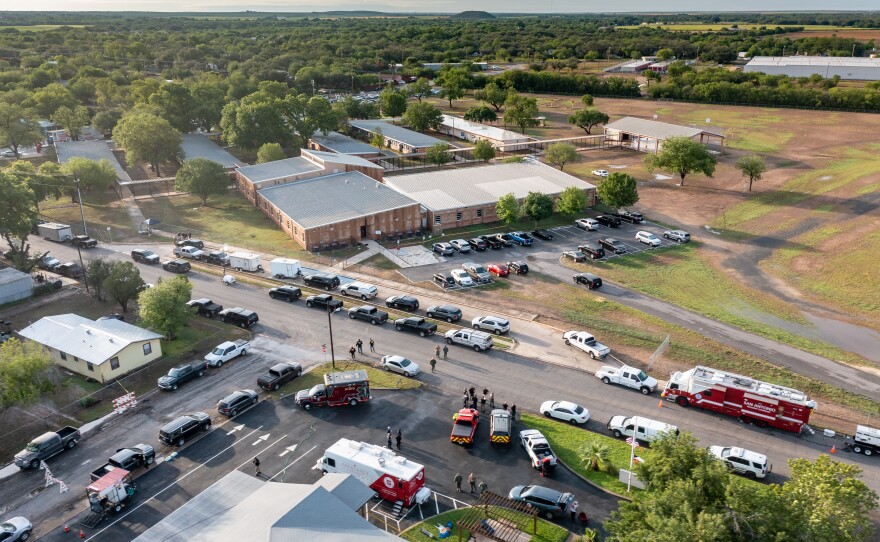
{"points": [[493, 242]]}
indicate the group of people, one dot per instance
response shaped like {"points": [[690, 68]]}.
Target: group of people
{"points": [[358, 347], [398, 438], [472, 481], [470, 400]]}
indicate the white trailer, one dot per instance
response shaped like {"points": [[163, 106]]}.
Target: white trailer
{"points": [[245, 261], [285, 268], [866, 440], [52, 231]]}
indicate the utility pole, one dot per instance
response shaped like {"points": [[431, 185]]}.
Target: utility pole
{"points": [[83, 266], [330, 325], [82, 213]]}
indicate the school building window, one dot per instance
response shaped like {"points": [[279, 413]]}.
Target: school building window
{"points": [[458, 216], [91, 366], [479, 213], [63, 355], [148, 349], [438, 219], [114, 363]]}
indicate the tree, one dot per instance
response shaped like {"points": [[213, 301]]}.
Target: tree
{"points": [[618, 190], [97, 272], [48, 99], [202, 178], [596, 454], [438, 154], [92, 175], [483, 150], [18, 217], [480, 114], [208, 101], [105, 121], [124, 283], [571, 201], [587, 100], [753, 167], [682, 155], [392, 102], [270, 152], [176, 105], [665, 54], [537, 206], [147, 138], [377, 139], [492, 94], [24, 373], [560, 154], [307, 115], [420, 89], [17, 127], [71, 119], [521, 111], [452, 84], [587, 118], [507, 209], [422, 115], [163, 307], [252, 123]]}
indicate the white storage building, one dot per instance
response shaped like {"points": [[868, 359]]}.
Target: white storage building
{"points": [[15, 285], [849, 68]]}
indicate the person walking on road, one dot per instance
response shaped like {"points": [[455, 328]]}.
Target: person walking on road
{"points": [[466, 400], [573, 508], [399, 437], [483, 403], [472, 480], [474, 402], [351, 351], [485, 391], [372, 345], [458, 480], [360, 346], [389, 441], [433, 364], [492, 400], [437, 350], [445, 350], [504, 406], [256, 463], [483, 487], [513, 412], [472, 391]]}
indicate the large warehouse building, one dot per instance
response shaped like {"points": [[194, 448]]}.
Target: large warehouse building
{"points": [[648, 135], [850, 68]]}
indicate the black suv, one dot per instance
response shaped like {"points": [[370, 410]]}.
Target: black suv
{"points": [[633, 217], [239, 317], [491, 242], [327, 282], [613, 245], [590, 281], [237, 401], [518, 268], [592, 250], [184, 427], [287, 293], [478, 244], [198, 243], [177, 266], [403, 302], [217, 257], [70, 270], [450, 313], [324, 301], [543, 234], [608, 221], [142, 255], [205, 307]]}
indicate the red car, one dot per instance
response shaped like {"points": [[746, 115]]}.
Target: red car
{"points": [[499, 269]]}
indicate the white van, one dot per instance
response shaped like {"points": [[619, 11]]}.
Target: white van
{"points": [[360, 289], [478, 340], [645, 429]]}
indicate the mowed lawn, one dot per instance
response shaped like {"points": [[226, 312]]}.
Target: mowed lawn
{"points": [[102, 210]]}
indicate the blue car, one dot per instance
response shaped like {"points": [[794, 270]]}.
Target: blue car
{"points": [[520, 238]]}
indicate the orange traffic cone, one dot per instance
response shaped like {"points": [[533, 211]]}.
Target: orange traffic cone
{"points": [[66, 528], [833, 449], [660, 404], [82, 533]]}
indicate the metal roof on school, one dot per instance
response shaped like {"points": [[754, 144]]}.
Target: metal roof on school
{"points": [[823, 61], [279, 169], [94, 341], [655, 129], [343, 144], [482, 185], [197, 145], [483, 130], [334, 198], [337, 158], [392, 131], [91, 149]]}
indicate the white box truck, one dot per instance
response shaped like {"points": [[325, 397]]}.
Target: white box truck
{"points": [[245, 261], [51, 231], [284, 268]]}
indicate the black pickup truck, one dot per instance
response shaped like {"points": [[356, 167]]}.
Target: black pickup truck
{"points": [[279, 375], [323, 301], [181, 374], [369, 313], [83, 241], [139, 455], [205, 307], [415, 324]]}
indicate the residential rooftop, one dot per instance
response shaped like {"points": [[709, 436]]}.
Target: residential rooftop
{"points": [[93, 150]]}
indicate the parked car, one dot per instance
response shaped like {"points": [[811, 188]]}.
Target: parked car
{"points": [[593, 250], [544, 235], [471, 338], [565, 411], [478, 244], [609, 221], [460, 245], [613, 245], [142, 255], [402, 302], [586, 342], [239, 317], [600, 172], [177, 266], [279, 375], [498, 269], [18, 528], [741, 461], [477, 272], [443, 249], [679, 236], [198, 243], [461, 277], [633, 217], [217, 257], [491, 242], [47, 445], [46, 263], [190, 253], [176, 432], [588, 224], [505, 239], [520, 238], [549, 502], [205, 307], [83, 241], [70, 270], [227, 351], [445, 280], [324, 301], [181, 374], [359, 289], [236, 402], [575, 255], [286, 293], [327, 282], [450, 313], [589, 280], [369, 313], [495, 324], [648, 238], [518, 267], [415, 324], [400, 364]]}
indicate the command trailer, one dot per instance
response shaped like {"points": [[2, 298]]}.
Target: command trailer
{"points": [[393, 477], [750, 400]]}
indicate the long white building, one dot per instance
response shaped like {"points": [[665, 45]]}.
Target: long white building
{"points": [[851, 68]]}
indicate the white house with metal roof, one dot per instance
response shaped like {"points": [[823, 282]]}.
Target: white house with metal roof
{"points": [[342, 144], [103, 349], [648, 135], [396, 137], [338, 209], [475, 131], [15, 285], [459, 197]]}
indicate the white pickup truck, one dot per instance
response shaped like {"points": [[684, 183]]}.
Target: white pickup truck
{"points": [[189, 252], [629, 377], [478, 340], [587, 343], [538, 448], [227, 351]]}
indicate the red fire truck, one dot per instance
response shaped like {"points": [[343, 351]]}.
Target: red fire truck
{"points": [[346, 388], [464, 426], [393, 477], [750, 400]]}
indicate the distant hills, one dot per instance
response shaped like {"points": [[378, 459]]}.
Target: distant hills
{"points": [[473, 15]]}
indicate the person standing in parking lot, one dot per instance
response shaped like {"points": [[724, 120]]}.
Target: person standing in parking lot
{"points": [[458, 480], [360, 346], [445, 350], [472, 480], [483, 403], [433, 364], [399, 437], [437, 351], [256, 463], [372, 345], [466, 400], [351, 351]]}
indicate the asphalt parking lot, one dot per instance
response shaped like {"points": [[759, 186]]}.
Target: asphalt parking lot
{"points": [[564, 238]]}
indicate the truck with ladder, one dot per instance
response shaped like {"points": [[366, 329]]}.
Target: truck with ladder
{"points": [[752, 401]]}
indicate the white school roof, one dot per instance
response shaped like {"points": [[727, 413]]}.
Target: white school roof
{"points": [[482, 130], [198, 145], [397, 133]]}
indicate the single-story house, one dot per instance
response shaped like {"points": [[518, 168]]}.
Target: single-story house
{"points": [[396, 138], [342, 144], [93, 150], [475, 131], [459, 197], [196, 145], [242, 507], [103, 349], [648, 135], [15, 285]]}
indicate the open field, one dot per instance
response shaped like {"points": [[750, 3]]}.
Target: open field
{"points": [[102, 210], [863, 34], [718, 27], [39, 27]]}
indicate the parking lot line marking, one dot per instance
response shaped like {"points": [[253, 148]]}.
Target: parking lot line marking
{"points": [[264, 438], [236, 428], [288, 450], [294, 461], [172, 484]]}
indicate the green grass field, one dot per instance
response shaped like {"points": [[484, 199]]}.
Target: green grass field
{"points": [[102, 210]]}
